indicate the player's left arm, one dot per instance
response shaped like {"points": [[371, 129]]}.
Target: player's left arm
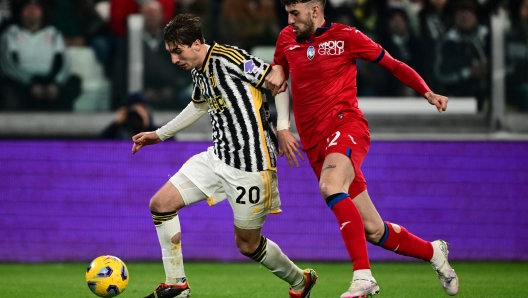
{"points": [[276, 80], [368, 50], [247, 67], [412, 79]]}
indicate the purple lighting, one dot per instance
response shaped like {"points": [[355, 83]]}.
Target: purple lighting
{"points": [[73, 200]]}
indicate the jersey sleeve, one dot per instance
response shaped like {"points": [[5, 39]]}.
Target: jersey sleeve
{"points": [[364, 48], [278, 57], [247, 67]]}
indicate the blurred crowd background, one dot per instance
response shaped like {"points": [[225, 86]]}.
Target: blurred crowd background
{"points": [[72, 55]]}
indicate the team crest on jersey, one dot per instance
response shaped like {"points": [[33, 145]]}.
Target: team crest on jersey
{"points": [[310, 53]]}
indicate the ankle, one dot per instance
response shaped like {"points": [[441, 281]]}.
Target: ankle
{"points": [[299, 286], [362, 274]]}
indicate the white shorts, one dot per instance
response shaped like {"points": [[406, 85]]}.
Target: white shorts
{"points": [[252, 195]]}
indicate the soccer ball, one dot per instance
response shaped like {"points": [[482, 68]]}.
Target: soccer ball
{"points": [[107, 276]]}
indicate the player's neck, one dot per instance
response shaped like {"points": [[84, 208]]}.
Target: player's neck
{"points": [[319, 22], [202, 54]]}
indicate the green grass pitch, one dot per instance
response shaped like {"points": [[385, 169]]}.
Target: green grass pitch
{"points": [[402, 280]]}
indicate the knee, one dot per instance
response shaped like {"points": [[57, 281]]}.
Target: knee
{"points": [[156, 204], [163, 204], [327, 188], [246, 247]]}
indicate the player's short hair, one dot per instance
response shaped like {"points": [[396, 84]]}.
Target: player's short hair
{"points": [[184, 29], [291, 2]]}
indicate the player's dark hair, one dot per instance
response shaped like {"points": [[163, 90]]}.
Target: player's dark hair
{"points": [[291, 2], [184, 29]]}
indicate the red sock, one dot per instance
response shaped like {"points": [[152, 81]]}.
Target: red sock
{"points": [[352, 230], [405, 243]]}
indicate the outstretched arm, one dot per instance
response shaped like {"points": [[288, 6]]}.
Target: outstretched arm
{"points": [[186, 117], [413, 80]]}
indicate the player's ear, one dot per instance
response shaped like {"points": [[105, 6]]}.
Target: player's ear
{"points": [[196, 45], [316, 10]]}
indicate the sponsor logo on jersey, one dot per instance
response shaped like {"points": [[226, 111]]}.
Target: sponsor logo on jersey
{"points": [[294, 47], [249, 67], [332, 48], [310, 53]]}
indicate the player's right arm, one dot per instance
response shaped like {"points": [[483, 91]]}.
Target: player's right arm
{"points": [[189, 115]]}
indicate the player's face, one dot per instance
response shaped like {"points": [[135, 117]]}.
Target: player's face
{"points": [[184, 56], [300, 17]]}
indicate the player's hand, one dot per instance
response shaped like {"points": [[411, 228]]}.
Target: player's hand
{"points": [[275, 80], [282, 88], [439, 101], [143, 139], [289, 146]]}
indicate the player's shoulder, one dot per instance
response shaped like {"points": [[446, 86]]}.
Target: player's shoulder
{"points": [[287, 34], [343, 29], [231, 53]]}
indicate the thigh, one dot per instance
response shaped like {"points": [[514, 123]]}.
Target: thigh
{"points": [[251, 236], [352, 139], [252, 195], [197, 181], [166, 199]]}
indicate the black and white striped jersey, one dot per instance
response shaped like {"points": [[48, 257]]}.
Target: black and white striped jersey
{"points": [[230, 83]]}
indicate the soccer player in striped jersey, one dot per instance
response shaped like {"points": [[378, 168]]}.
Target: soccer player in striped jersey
{"points": [[241, 164], [320, 56]]}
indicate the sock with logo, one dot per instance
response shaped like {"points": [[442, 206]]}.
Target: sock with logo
{"points": [[270, 255], [400, 241], [167, 226], [352, 228]]}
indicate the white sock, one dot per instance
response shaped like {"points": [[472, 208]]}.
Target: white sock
{"points": [[280, 265], [362, 274], [437, 255], [171, 253]]}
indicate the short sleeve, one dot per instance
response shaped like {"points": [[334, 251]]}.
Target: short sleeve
{"points": [[247, 67], [363, 47], [255, 70]]}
